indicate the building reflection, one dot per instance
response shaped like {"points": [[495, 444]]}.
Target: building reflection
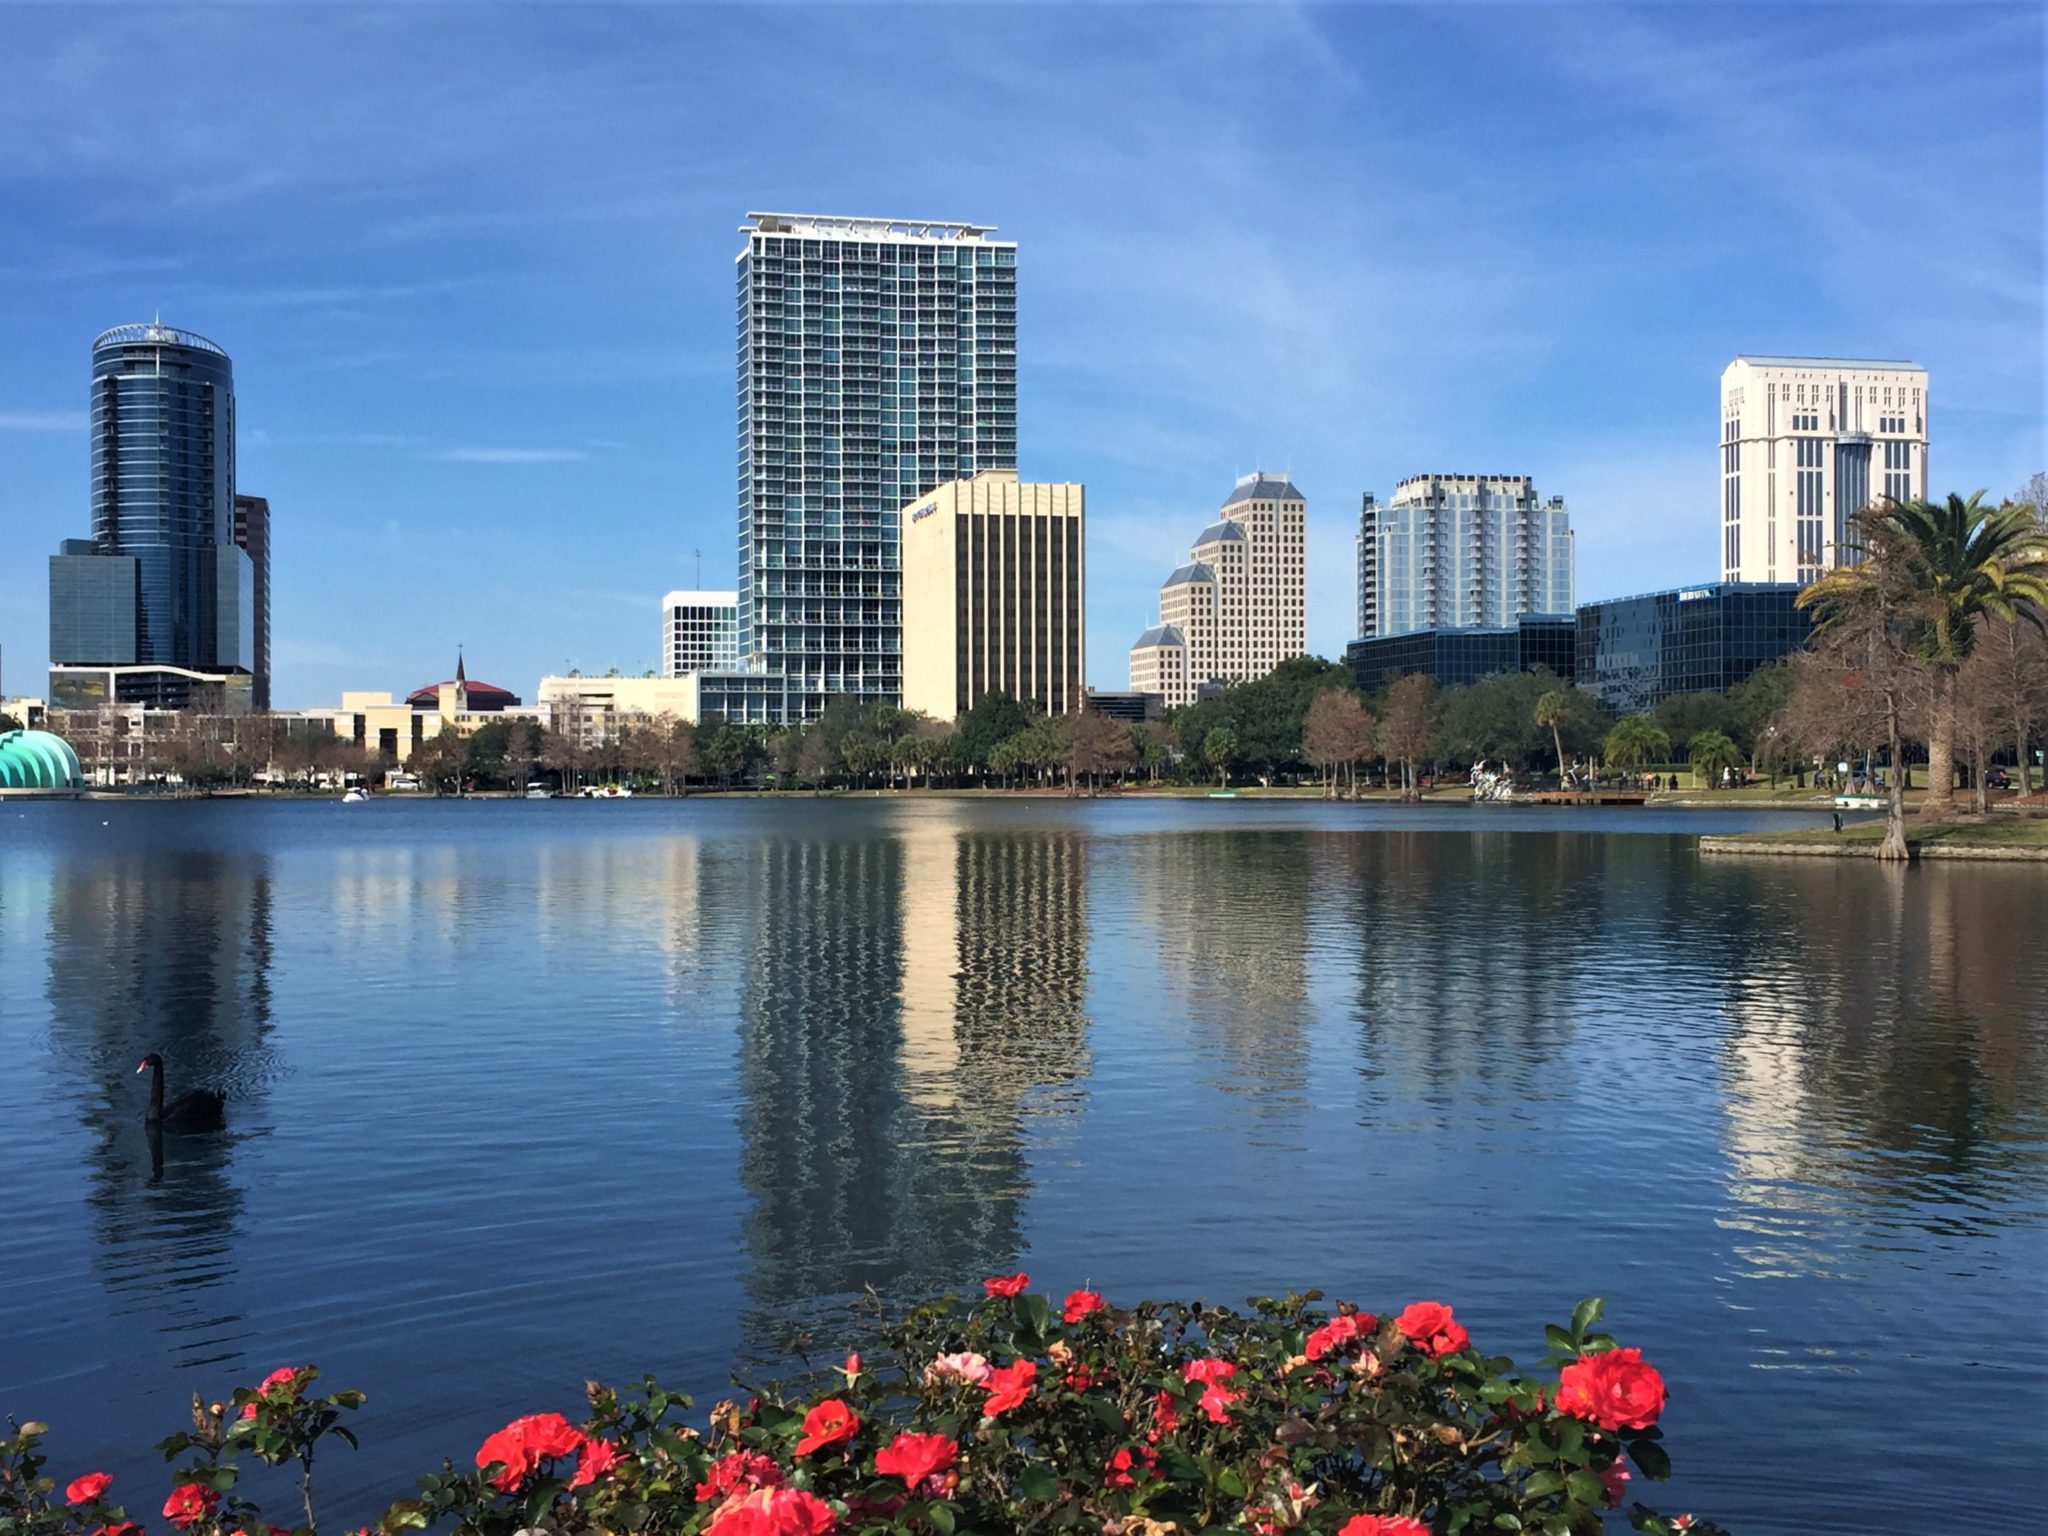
{"points": [[1229, 917], [1468, 973], [166, 952], [909, 1003], [1876, 1056]]}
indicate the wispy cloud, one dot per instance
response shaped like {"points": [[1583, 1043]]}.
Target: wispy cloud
{"points": [[42, 421], [509, 455]]}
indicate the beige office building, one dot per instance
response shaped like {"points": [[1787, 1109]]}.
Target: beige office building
{"points": [[1239, 607], [1806, 443], [993, 575]]}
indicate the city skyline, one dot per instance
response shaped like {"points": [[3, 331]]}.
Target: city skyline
{"points": [[517, 344]]}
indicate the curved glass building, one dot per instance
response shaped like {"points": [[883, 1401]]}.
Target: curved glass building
{"points": [[163, 489]]}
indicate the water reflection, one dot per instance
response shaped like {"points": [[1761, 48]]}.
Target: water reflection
{"points": [[1228, 916], [170, 953], [1472, 971], [906, 1005], [1877, 1056]]}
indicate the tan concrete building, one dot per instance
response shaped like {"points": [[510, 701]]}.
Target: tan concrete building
{"points": [[993, 595], [591, 708], [1806, 443], [1239, 607]]}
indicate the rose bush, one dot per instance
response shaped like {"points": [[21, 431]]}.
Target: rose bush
{"points": [[1006, 1415]]}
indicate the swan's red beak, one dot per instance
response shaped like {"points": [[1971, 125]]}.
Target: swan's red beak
{"points": [[142, 1066]]}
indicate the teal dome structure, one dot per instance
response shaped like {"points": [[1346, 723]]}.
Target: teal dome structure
{"points": [[38, 760]]}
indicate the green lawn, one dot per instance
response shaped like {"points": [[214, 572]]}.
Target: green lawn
{"points": [[1999, 832]]}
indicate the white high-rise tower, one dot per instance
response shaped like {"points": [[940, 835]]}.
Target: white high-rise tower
{"points": [[1806, 443]]}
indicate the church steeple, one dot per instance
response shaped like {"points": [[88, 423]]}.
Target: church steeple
{"points": [[461, 685]]}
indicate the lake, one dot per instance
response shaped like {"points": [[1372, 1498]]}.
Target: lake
{"points": [[523, 1093]]}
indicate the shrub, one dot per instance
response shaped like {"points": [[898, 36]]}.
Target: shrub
{"points": [[1004, 1416]]}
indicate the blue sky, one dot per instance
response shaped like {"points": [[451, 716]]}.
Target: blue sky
{"points": [[474, 266]]}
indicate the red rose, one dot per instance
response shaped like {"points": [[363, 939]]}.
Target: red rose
{"points": [[917, 1457], [1081, 1303], [83, 1490], [524, 1444], [830, 1423], [188, 1504], [1615, 1389], [1165, 1415], [1338, 1332], [737, 1470], [1131, 1466], [1080, 1378], [1007, 1285], [1208, 1370], [1216, 1400], [1614, 1478], [1431, 1328], [283, 1373], [773, 1512], [125, 1528], [1009, 1386], [1382, 1525], [594, 1458]]}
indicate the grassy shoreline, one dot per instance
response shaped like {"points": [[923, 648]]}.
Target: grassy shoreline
{"points": [[2001, 838]]}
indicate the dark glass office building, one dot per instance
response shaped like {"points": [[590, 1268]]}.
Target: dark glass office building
{"points": [[252, 537], [1455, 656], [1637, 651], [163, 581]]}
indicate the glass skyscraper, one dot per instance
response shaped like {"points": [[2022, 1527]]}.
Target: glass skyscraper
{"points": [[163, 481], [1462, 552], [877, 360], [162, 588]]}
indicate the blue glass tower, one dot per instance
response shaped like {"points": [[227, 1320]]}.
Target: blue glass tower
{"points": [[163, 484], [877, 359]]}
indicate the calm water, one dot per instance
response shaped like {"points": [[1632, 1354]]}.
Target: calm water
{"points": [[527, 1093]]}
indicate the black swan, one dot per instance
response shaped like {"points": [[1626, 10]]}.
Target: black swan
{"points": [[195, 1109]]}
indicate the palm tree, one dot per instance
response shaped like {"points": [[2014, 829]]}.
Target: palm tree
{"points": [[1553, 709], [1220, 748], [1712, 755], [1947, 566], [1635, 741]]}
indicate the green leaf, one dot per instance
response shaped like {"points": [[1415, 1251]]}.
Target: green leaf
{"points": [[1587, 1488], [1036, 1483], [1229, 1484], [1508, 1522], [1586, 1314], [941, 1517], [1541, 1483], [1564, 1343], [1651, 1457]]}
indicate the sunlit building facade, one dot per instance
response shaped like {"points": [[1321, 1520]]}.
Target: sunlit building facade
{"points": [[1806, 444], [1239, 606], [700, 632], [1461, 552], [877, 360]]}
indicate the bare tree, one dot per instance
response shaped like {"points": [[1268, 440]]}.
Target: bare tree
{"points": [[1095, 745], [522, 749], [1406, 734], [1857, 689], [672, 751], [1337, 735]]}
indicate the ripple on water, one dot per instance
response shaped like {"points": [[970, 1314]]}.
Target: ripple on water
{"points": [[521, 1094]]}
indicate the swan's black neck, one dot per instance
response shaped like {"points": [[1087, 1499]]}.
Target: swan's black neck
{"points": [[156, 1091]]}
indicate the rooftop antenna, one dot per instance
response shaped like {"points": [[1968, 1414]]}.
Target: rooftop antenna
{"points": [[700, 568]]}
